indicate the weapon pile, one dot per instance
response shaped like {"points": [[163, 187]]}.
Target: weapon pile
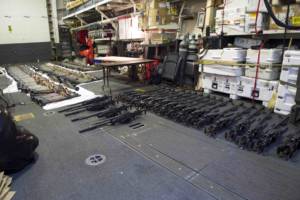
{"points": [[42, 90], [70, 78], [76, 66], [104, 109], [290, 145], [251, 127]]}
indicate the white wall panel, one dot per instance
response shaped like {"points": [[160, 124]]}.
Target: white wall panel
{"points": [[28, 20]]}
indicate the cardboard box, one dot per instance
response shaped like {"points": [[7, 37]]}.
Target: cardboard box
{"points": [[73, 4], [264, 89], [280, 13], [154, 4], [262, 22]]}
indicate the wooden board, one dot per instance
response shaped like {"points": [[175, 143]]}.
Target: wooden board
{"points": [[23, 117]]}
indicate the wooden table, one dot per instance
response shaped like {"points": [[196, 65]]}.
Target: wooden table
{"points": [[106, 63]]}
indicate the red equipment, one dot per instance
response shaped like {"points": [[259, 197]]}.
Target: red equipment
{"points": [[89, 51]]}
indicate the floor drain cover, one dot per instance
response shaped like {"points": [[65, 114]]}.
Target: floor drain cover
{"points": [[95, 160], [49, 113]]}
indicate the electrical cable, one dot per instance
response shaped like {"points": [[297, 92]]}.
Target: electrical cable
{"points": [[276, 20]]}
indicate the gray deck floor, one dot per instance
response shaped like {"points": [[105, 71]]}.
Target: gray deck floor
{"points": [[161, 160]]}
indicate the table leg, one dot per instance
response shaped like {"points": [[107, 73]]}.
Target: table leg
{"points": [[104, 78], [107, 77], [134, 72]]}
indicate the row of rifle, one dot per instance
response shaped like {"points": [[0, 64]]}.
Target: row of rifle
{"points": [[42, 90], [251, 127], [104, 109]]}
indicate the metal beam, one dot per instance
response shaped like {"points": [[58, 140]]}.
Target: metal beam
{"points": [[80, 19]]}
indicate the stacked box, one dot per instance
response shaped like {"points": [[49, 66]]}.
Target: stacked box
{"points": [[280, 13], [156, 13], [288, 82], [220, 83], [264, 89], [220, 77], [268, 58], [239, 17], [285, 99], [228, 55], [233, 55]]}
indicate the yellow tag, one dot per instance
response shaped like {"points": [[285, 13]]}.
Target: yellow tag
{"points": [[140, 90], [272, 102], [10, 28], [23, 117], [252, 14], [296, 20]]}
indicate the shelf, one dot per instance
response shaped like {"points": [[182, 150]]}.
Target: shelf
{"points": [[264, 33], [132, 40], [270, 32], [105, 39], [86, 9]]}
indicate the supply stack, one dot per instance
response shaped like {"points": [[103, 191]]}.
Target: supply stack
{"points": [[234, 71], [239, 16], [261, 79], [288, 82], [222, 70]]}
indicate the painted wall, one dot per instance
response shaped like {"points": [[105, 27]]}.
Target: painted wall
{"points": [[23, 21]]}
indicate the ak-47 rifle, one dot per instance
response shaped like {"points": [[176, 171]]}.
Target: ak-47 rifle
{"points": [[122, 118], [290, 145], [110, 112], [85, 104], [92, 107]]}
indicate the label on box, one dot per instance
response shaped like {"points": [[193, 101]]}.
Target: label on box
{"points": [[296, 20]]}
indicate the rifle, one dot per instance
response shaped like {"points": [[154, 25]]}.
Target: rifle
{"points": [[230, 118], [85, 103], [290, 145], [110, 112], [123, 118], [93, 107]]}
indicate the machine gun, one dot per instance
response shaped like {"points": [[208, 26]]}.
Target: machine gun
{"points": [[110, 112], [246, 141], [123, 118], [214, 115], [290, 145], [225, 121], [182, 114], [92, 107], [267, 139], [240, 128], [84, 104], [193, 117], [174, 112]]}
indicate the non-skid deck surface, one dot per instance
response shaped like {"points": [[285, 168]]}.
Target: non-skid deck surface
{"points": [[160, 160]]}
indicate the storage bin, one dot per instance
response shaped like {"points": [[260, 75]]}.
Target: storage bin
{"points": [[267, 56], [224, 70], [289, 74], [291, 57], [220, 83], [263, 92], [267, 73], [285, 99]]}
